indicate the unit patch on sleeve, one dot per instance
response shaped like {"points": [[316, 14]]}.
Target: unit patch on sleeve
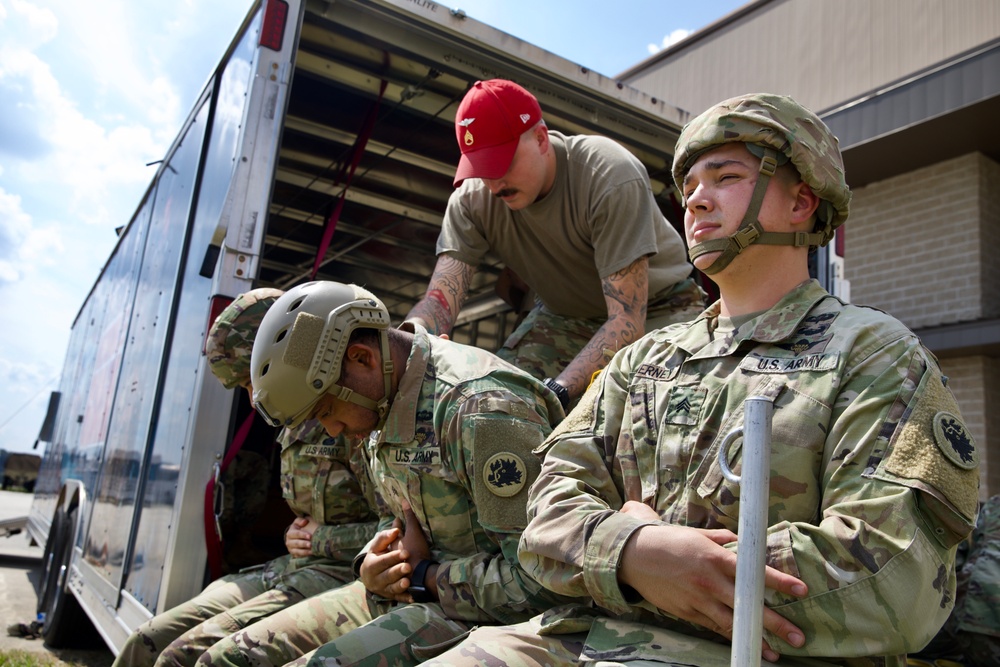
{"points": [[504, 468], [954, 441], [505, 474]]}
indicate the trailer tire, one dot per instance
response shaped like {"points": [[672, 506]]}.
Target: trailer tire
{"points": [[50, 568], [64, 618]]}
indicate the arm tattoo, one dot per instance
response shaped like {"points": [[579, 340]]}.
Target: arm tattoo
{"points": [[626, 294], [445, 295]]}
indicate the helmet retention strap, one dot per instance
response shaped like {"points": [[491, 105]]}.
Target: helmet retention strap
{"points": [[749, 231]]}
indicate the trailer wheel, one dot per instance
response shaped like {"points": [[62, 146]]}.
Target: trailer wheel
{"points": [[50, 568], [64, 618]]}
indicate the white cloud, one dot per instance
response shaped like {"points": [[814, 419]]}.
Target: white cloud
{"points": [[40, 23], [23, 248], [669, 40]]}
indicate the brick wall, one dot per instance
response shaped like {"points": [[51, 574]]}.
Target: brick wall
{"points": [[973, 381], [925, 247], [989, 206], [914, 243]]}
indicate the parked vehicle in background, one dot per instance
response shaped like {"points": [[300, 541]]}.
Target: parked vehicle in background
{"points": [[20, 470]]}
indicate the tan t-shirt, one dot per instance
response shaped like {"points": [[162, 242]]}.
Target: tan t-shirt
{"points": [[598, 218]]}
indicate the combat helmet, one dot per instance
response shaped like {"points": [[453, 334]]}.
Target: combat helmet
{"points": [[776, 129], [299, 350], [230, 338]]}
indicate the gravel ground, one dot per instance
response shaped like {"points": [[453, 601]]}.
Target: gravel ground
{"points": [[20, 568]]}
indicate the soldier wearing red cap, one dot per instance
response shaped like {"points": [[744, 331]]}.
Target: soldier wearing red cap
{"points": [[574, 217]]}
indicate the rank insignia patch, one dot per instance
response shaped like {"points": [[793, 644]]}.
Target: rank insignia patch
{"points": [[504, 474], [955, 441]]}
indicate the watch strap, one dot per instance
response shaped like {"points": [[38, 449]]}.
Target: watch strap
{"points": [[418, 582], [561, 392]]}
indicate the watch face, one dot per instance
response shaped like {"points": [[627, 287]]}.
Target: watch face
{"points": [[419, 594]]}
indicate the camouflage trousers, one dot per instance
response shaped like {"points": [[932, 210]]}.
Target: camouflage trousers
{"points": [[292, 632], [346, 625], [544, 343], [405, 636], [547, 641], [180, 635]]}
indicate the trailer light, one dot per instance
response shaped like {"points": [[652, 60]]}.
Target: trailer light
{"points": [[273, 30]]}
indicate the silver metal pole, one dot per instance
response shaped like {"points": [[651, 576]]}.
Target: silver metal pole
{"points": [[755, 481]]}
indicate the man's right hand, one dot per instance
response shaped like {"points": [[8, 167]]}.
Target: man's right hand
{"points": [[686, 572]]}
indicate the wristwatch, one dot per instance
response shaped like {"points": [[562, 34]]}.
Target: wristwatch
{"points": [[561, 392], [418, 582]]}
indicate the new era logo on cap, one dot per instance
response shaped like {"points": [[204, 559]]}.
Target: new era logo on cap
{"points": [[489, 123]]}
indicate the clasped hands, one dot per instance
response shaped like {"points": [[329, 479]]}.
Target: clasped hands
{"points": [[395, 553], [298, 536]]}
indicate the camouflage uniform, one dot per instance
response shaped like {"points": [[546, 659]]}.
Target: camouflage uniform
{"points": [[320, 477], [318, 480], [972, 633], [873, 484], [544, 343], [230, 339], [456, 446], [977, 609]]}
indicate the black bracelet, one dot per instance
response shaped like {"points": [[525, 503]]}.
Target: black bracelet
{"points": [[561, 392], [418, 589]]}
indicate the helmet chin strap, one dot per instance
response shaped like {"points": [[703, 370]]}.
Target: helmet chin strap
{"points": [[750, 230], [380, 407]]}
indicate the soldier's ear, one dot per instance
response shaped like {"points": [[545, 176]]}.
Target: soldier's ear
{"points": [[359, 353], [805, 204]]}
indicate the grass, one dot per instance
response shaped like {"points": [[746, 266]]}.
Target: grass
{"points": [[26, 659]]}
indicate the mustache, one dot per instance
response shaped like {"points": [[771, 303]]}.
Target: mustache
{"points": [[506, 192]]}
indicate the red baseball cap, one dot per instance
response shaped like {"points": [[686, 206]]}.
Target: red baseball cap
{"points": [[490, 121]]}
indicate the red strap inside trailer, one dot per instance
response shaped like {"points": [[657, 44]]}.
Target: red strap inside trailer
{"points": [[358, 151], [213, 540]]}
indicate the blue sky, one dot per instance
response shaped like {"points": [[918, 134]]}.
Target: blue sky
{"points": [[91, 93]]}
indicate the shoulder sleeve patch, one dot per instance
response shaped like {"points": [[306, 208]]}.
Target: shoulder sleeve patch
{"points": [[955, 441], [506, 467], [933, 450], [505, 474]]}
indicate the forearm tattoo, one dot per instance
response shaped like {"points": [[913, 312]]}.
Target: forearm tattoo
{"points": [[445, 295], [626, 294]]}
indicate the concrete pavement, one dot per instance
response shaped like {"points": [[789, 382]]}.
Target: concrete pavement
{"points": [[20, 568]]}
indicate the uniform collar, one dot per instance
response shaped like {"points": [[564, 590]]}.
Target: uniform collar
{"points": [[401, 422], [776, 324]]}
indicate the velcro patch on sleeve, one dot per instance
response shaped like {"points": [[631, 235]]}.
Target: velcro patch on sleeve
{"points": [[932, 445], [506, 467], [516, 408], [580, 418]]}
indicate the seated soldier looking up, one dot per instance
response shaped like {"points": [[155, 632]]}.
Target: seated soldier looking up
{"points": [[873, 475]]}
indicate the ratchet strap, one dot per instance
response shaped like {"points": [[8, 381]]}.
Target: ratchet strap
{"points": [[213, 498]]}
